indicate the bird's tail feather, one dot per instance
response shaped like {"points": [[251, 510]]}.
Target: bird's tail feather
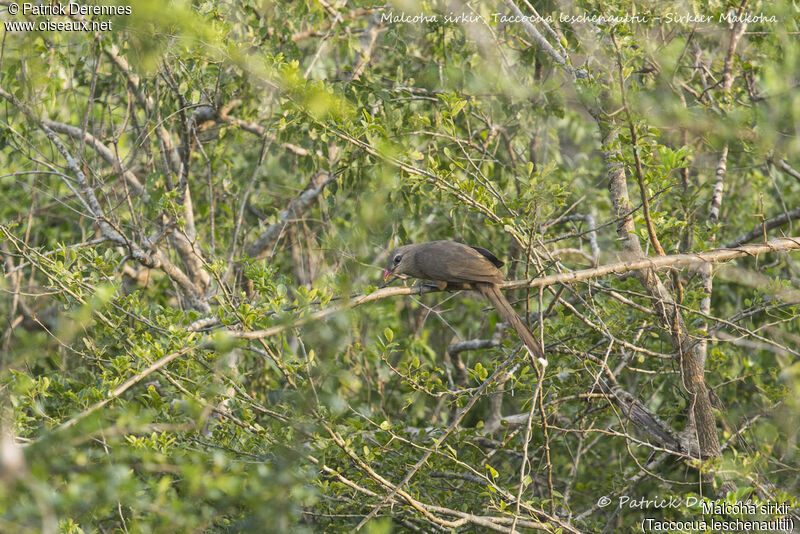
{"points": [[501, 304]]}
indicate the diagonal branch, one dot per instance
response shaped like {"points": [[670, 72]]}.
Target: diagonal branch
{"points": [[788, 169], [102, 150], [531, 30], [254, 128], [125, 386], [296, 207]]}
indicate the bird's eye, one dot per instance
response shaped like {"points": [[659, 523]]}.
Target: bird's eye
{"points": [[397, 259]]}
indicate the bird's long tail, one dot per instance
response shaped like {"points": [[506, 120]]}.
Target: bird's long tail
{"points": [[501, 304]]}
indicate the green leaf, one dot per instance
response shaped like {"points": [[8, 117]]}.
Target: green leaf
{"points": [[492, 472]]}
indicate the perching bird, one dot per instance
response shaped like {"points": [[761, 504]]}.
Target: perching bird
{"points": [[446, 262]]}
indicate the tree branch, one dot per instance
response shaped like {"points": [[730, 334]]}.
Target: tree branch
{"points": [[143, 254], [296, 207], [767, 225], [660, 262], [102, 150]]}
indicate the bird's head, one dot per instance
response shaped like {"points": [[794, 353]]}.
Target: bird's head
{"points": [[399, 261]]}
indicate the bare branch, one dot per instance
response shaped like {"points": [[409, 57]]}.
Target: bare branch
{"points": [[531, 30], [785, 167], [759, 230], [296, 207], [102, 150]]}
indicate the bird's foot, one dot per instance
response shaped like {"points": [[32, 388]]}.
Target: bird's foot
{"points": [[437, 285]]}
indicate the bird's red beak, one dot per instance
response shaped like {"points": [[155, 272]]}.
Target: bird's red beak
{"points": [[386, 274]]}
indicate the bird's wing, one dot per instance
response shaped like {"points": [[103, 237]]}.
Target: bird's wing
{"points": [[455, 262], [491, 257]]}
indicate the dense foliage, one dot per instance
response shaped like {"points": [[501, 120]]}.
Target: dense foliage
{"points": [[196, 203]]}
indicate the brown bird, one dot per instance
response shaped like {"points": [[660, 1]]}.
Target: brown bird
{"points": [[449, 262]]}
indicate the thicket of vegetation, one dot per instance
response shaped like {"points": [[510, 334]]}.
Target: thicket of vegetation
{"points": [[196, 206]]}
